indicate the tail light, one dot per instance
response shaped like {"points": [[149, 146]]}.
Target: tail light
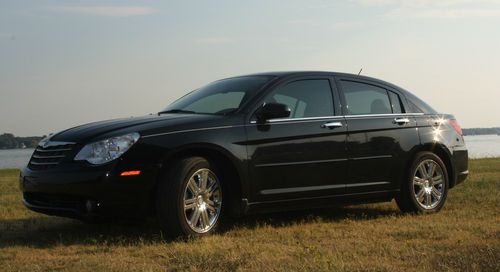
{"points": [[456, 126]]}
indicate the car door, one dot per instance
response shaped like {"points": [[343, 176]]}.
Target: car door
{"points": [[303, 155], [380, 135]]}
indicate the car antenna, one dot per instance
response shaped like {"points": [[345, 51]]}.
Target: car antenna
{"points": [[360, 71]]}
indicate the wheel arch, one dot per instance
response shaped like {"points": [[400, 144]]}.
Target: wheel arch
{"points": [[442, 152], [222, 158]]}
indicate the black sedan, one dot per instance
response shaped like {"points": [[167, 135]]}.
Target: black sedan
{"points": [[256, 143]]}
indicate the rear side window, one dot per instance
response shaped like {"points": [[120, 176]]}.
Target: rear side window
{"points": [[395, 102], [365, 99], [305, 98]]}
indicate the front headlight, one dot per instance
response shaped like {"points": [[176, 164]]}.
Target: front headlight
{"points": [[107, 150]]}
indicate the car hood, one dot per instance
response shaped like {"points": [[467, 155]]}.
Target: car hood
{"points": [[103, 129]]}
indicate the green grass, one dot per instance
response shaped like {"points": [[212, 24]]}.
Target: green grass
{"points": [[464, 236]]}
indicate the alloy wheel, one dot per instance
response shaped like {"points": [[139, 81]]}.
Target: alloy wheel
{"points": [[428, 184], [202, 200]]}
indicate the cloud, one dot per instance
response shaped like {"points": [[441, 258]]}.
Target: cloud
{"points": [[435, 9], [443, 13], [110, 11], [215, 40], [7, 36], [423, 3], [303, 22], [457, 13], [347, 25]]}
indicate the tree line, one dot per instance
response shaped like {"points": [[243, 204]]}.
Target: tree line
{"points": [[481, 131], [9, 141]]}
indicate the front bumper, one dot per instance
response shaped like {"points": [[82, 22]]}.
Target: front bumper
{"points": [[78, 191]]}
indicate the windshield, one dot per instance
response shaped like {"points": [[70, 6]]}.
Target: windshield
{"points": [[219, 97]]}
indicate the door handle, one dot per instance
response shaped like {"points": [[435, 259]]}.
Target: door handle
{"points": [[401, 121], [331, 125]]}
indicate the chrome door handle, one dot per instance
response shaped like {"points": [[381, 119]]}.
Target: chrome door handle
{"points": [[401, 121], [332, 125]]}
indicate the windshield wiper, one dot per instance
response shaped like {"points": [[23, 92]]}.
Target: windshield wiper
{"points": [[175, 111]]}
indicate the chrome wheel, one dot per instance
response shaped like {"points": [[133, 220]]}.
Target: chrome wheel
{"points": [[202, 201], [428, 184]]}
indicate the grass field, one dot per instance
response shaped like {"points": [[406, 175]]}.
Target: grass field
{"points": [[464, 236]]}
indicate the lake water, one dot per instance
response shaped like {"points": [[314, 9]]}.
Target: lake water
{"points": [[14, 158], [480, 146]]}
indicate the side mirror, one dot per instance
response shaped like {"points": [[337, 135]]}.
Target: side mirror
{"points": [[272, 111]]}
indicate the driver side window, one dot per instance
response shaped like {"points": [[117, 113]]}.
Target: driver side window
{"points": [[305, 98]]}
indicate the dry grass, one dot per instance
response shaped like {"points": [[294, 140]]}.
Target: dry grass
{"points": [[464, 236]]}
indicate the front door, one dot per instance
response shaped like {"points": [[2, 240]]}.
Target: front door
{"points": [[303, 155]]}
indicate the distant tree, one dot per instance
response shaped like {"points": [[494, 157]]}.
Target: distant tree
{"points": [[9, 141], [481, 131]]}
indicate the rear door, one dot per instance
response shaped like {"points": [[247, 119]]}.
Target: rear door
{"points": [[380, 135], [303, 155]]}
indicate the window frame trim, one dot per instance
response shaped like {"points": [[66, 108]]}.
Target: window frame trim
{"points": [[338, 82]]}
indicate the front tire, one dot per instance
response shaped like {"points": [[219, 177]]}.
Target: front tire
{"points": [[189, 199], [426, 187]]}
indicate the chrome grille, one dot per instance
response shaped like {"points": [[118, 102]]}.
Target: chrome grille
{"points": [[49, 156]]}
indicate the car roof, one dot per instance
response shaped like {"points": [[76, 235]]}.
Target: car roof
{"points": [[283, 74]]}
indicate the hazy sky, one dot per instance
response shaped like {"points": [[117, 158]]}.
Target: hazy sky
{"points": [[64, 63]]}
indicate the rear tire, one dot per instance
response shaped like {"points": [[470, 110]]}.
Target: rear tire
{"points": [[426, 186], [189, 199]]}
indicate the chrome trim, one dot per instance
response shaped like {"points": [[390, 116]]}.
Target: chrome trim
{"points": [[371, 157], [299, 120], [332, 125], [367, 184], [401, 121], [44, 163], [382, 115], [298, 163], [187, 130], [48, 157], [286, 121], [55, 143], [53, 150], [301, 189]]}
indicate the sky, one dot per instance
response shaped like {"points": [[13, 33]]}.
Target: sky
{"points": [[65, 63]]}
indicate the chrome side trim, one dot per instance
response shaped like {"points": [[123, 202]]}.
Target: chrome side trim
{"points": [[284, 121], [367, 184], [371, 157], [187, 130], [319, 118], [301, 189], [381, 115], [298, 163], [300, 120]]}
